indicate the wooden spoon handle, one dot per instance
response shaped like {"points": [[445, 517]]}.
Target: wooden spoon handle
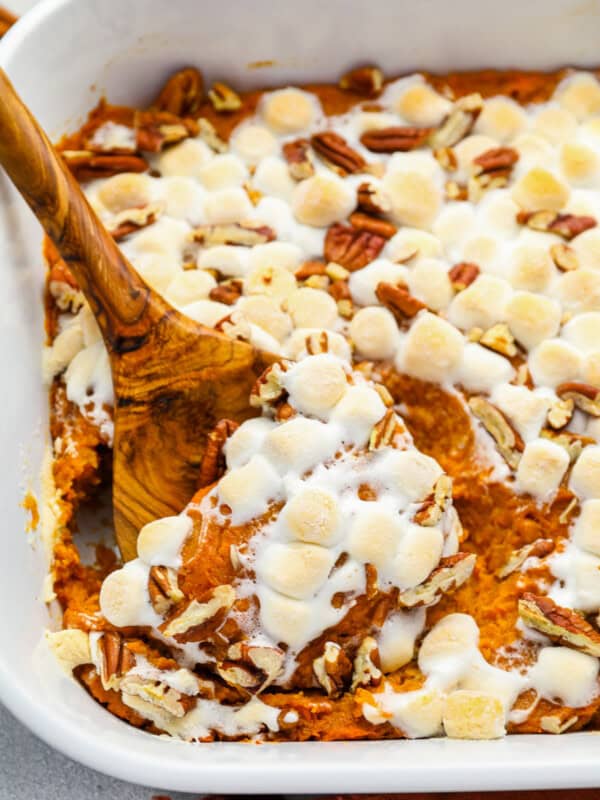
{"points": [[119, 298]]}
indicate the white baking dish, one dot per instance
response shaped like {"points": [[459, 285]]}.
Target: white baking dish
{"points": [[61, 57]]}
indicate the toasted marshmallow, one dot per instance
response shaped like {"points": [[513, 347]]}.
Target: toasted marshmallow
{"points": [[396, 638], [483, 250], [526, 409], [412, 242], [482, 304], [579, 290], [554, 362], [298, 444], [206, 312], [450, 638], [273, 281], [124, 599], [70, 647], [532, 318], [415, 198], [285, 620], [454, 223], [433, 349], [422, 106], [587, 248], [227, 205], [540, 190], [409, 472], [580, 164], [374, 537], [555, 124], [481, 369], [585, 475], [501, 118], [316, 384], [266, 313], [531, 267], [297, 570], [272, 177], [223, 172], [563, 673], [322, 200], [189, 286], [541, 468], [418, 553], [357, 412], [232, 261], [428, 281], [252, 142], [289, 110], [473, 715], [580, 94], [312, 516], [186, 159], [124, 191], [248, 490], [374, 332], [583, 331], [246, 441], [297, 345], [363, 283], [311, 308], [467, 150], [160, 542], [586, 532]]}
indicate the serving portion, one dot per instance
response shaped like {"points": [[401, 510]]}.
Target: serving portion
{"points": [[405, 541]]}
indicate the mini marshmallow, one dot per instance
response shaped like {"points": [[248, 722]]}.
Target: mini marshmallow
{"points": [[124, 599], [482, 369], [223, 172], [166, 237], [252, 142], [586, 532], [563, 674], [585, 475], [534, 151], [583, 331], [530, 267], [433, 349], [296, 345], [363, 283], [580, 164], [189, 286], [467, 150], [248, 490], [246, 441], [357, 412], [296, 570], [422, 106], [501, 118], [540, 190], [532, 318], [583, 581], [183, 199], [285, 620], [415, 198], [409, 241], [265, 312], [289, 110], [580, 94], [298, 444], [227, 205], [230, 260], [311, 308], [397, 636], [473, 715], [418, 553], [554, 362], [322, 200], [482, 304], [157, 270], [313, 517], [374, 536], [429, 282], [498, 212], [587, 248], [159, 542], [409, 472], [186, 158], [591, 369], [316, 384], [70, 647], [453, 224], [526, 409], [206, 312], [555, 124], [124, 191], [276, 254], [541, 468], [579, 290], [450, 638], [273, 281], [483, 250], [272, 177], [374, 332], [63, 350]]}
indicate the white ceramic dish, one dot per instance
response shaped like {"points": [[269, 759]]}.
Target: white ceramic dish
{"points": [[61, 57]]}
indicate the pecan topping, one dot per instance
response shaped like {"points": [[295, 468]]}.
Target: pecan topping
{"points": [[366, 81], [371, 199], [156, 693], [463, 274], [309, 268], [163, 589], [399, 301], [562, 625], [509, 443], [87, 166], [233, 233], [336, 152], [384, 393], [157, 129], [223, 98], [560, 413], [538, 549], [268, 389], [456, 191], [397, 138], [364, 222], [433, 507], [235, 326], [566, 225], [331, 668], [554, 724], [451, 573], [458, 123], [564, 257], [385, 431], [228, 292], [336, 272], [350, 247], [261, 665], [573, 443], [299, 159], [498, 158], [213, 460], [367, 666], [132, 219], [500, 339], [196, 615], [115, 658], [182, 94], [340, 291], [585, 396], [446, 158], [317, 343]]}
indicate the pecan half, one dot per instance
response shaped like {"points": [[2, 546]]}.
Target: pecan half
{"points": [[538, 549], [268, 389], [212, 466], [560, 413], [332, 668], [509, 443], [451, 573], [585, 396], [261, 665], [458, 123], [132, 219], [366, 81], [154, 130], [182, 94], [500, 339], [337, 153], [190, 622], [566, 225], [564, 257], [497, 158], [87, 166], [367, 666], [351, 248], [228, 292], [397, 138], [562, 625], [233, 233], [364, 222], [223, 98], [463, 274], [163, 589], [399, 301], [115, 659], [299, 159], [433, 507], [385, 431], [372, 200]]}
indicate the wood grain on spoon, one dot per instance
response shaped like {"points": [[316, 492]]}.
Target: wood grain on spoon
{"points": [[173, 378], [7, 20]]}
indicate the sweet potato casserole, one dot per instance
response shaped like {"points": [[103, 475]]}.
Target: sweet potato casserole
{"points": [[404, 541]]}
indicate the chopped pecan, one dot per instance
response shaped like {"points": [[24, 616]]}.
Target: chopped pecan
{"points": [[317, 282], [157, 129], [336, 272], [299, 159], [372, 200], [223, 98], [384, 393], [385, 431], [500, 339], [238, 675], [497, 158], [196, 615], [397, 138], [317, 343], [456, 191], [264, 663], [451, 573], [235, 326], [458, 123], [560, 413], [182, 94], [132, 219], [463, 274], [115, 658], [509, 443], [365, 222], [399, 301], [479, 184], [562, 625], [268, 389], [367, 666], [212, 466], [350, 247], [332, 668], [309, 268], [446, 158], [366, 81], [87, 166], [228, 292], [434, 506], [573, 443], [345, 307], [566, 225], [564, 257], [156, 693], [537, 549], [336, 152], [585, 396], [233, 233], [340, 291], [554, 724], [163, 589]]}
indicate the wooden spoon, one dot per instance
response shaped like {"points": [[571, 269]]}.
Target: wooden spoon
{"points": [[173, 378]]}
